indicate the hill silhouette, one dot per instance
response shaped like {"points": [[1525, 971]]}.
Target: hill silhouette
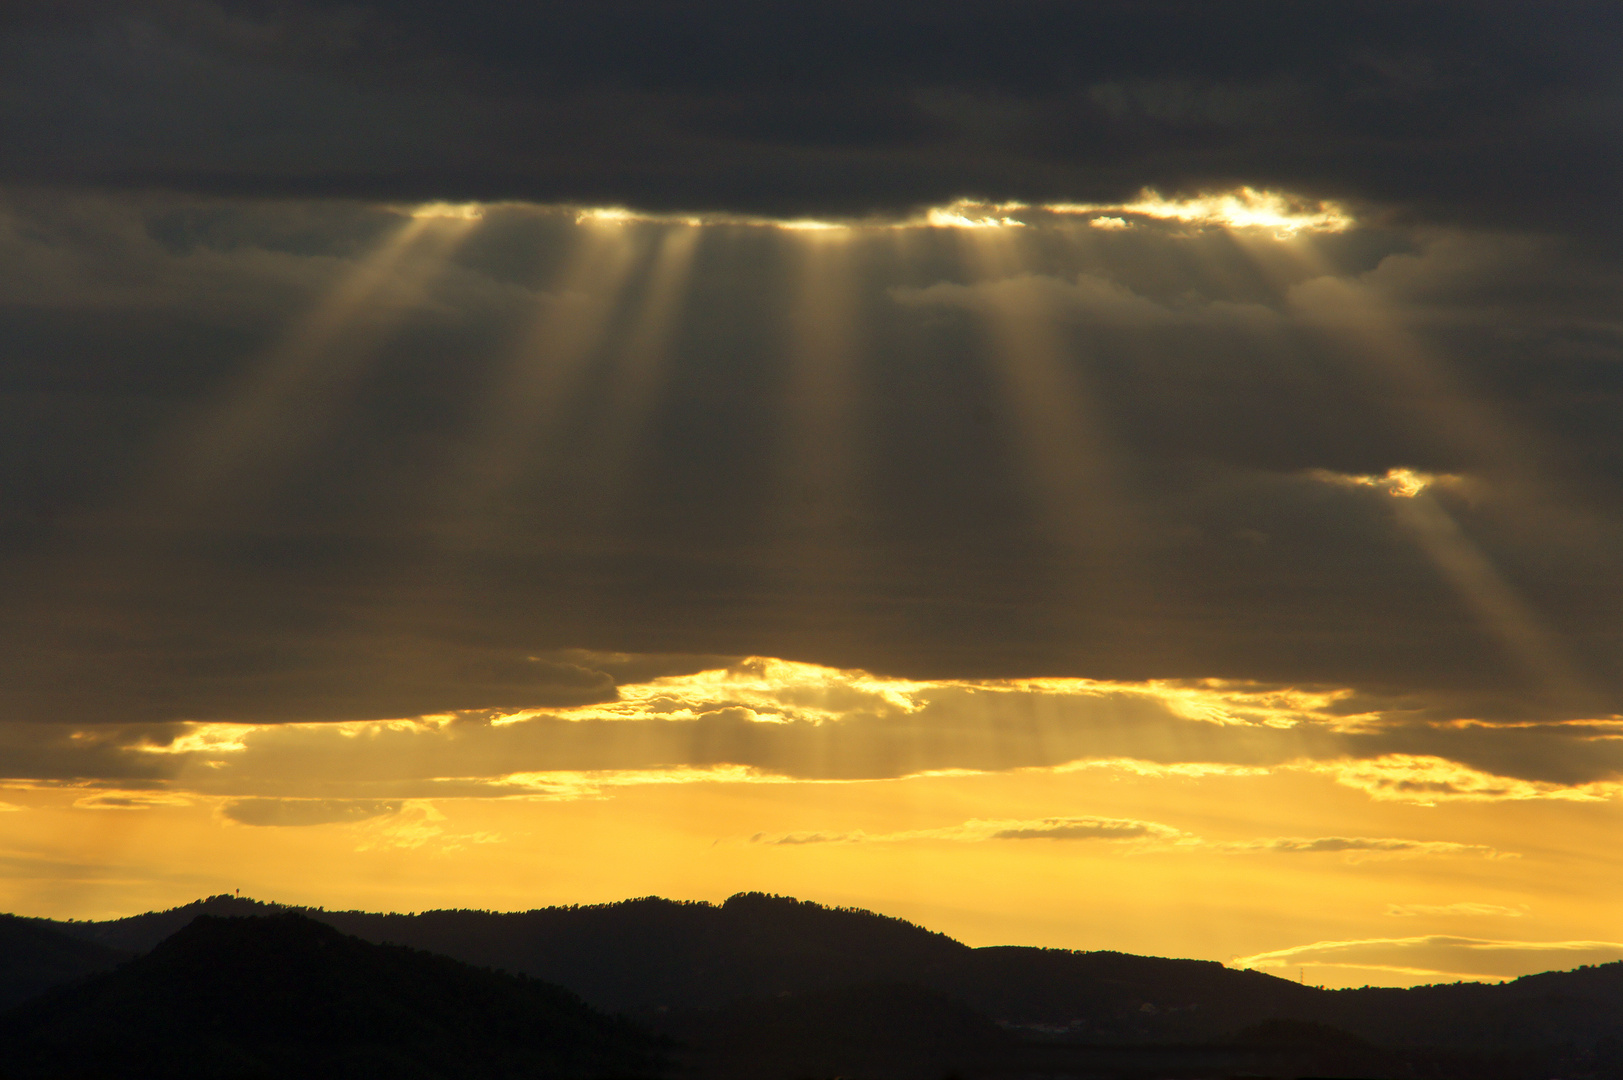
{"points": [[139, 933], [284, 996], [718, 977], [632, 956]]}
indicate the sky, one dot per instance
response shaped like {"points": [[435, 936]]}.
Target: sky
{"points": [[1136, 476]]}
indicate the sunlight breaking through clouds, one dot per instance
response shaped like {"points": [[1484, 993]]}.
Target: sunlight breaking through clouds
{"points": [[595, 783], [207, 739], [1133, 477], [1275, 213], [762, 720], [297, 388], [454, 211], [779, 691], [958, 215], [1399, 481], [1468, 569], [1243, 208], [954, 448]]}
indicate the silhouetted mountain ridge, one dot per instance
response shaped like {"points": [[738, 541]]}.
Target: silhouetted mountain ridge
{"points": [[285, 996], [630, 956], [140, 933], [717, 976]]}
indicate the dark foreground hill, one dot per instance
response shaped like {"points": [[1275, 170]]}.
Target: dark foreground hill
{"points": [[633, 956], [649, 956], [889, 1030], [288, 997], [35, 956]]}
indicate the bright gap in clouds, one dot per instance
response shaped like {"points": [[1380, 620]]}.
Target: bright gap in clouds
{"points": [[1271, 212], [451, 211]]}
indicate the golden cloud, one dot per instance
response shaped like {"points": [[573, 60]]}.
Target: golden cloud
{"points": [[1427, 780]]}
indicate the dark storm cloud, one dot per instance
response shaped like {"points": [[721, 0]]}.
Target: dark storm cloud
{"points": [[184, 540], [1497, 111]]}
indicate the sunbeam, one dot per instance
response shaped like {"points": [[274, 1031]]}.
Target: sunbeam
{"points": [[296, 392], [1120, 588], [1504, 613], [642, 360], [1495, 603], [1464, 428], [1063, 442], [1431, 399], [535, 386], [1124, 478], [816, 490]]}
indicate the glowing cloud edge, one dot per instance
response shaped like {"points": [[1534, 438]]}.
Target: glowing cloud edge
{"points": [[1243, 209]]}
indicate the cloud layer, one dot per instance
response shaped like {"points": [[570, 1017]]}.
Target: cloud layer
{"points": [[767, 721], [324, 461], [1497, 111]]}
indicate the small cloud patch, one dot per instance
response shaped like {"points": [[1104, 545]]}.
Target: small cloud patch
{"points": [[298, 812], [1061, 828], [130, 800], [1409, 910], [1370, 846], [1082, 829]]}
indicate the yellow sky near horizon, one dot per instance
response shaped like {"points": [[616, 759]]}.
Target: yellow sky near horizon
{"points": [[1280, 859]]}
